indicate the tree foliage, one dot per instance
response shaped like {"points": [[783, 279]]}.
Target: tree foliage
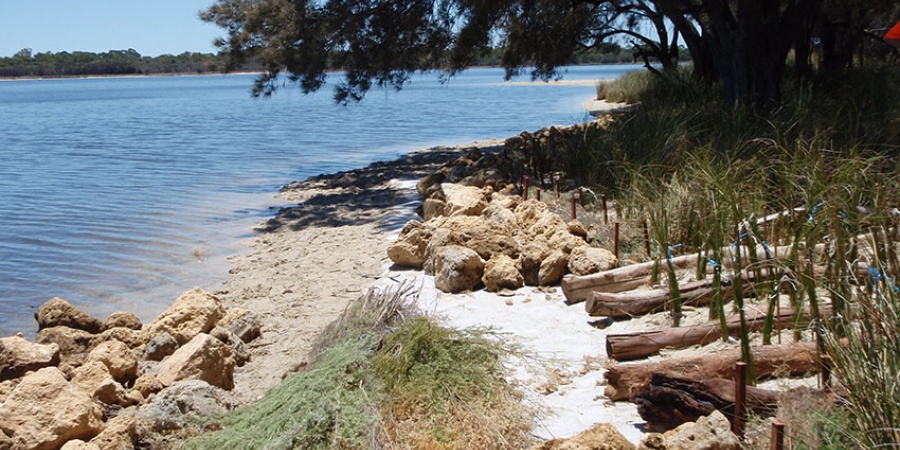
{"points": [[743, 45]]}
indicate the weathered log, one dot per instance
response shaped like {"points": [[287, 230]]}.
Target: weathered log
{"points": [[578, 288], [620, 305], [624, 381], [671, 399], [629, 346]]}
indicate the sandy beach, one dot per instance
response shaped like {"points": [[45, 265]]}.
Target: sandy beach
{"points": [[309, 261]]}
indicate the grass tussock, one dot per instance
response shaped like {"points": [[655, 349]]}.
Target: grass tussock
{"points": [[446, 390], [384, 378]]}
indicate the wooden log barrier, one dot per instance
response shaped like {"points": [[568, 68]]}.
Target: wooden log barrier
{"points": [[671, 399], [624, 381], [630, 346]]}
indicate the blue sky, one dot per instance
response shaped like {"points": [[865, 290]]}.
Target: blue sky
{"points": [[152, 27]]}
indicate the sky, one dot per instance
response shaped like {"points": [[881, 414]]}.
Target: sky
{"points": [[152, 27]]}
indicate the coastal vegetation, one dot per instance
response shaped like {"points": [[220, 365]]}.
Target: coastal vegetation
{"points": [[384, 377]]}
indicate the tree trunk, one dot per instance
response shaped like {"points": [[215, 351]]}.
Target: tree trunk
{"points": [[672, 399], [624, 381], [630, 346]]}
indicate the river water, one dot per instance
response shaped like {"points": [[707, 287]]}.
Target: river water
{"points": [[121, 193]]}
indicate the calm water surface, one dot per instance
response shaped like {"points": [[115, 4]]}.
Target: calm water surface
{"points": [[119, 194]]}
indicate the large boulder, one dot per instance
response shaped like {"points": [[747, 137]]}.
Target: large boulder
{"points": [[585, 260], [433, 207], [121, 433], [603, 436], [484, 236], [182, 403], [457, 269], [530, 212], [124, 320], [57, 312], [78, 444], [118, 359], [160, 346], [712, 432], [203, 358], [429, 184], [19, 356], [71, 341], [194, 312], [497, 212], [502, 272], [132, 338], [552, 269], [94, 378], [533, 254], [409, 249], [463, 200], [247, 325], [225, 336], [147, 384], [44, 411]]}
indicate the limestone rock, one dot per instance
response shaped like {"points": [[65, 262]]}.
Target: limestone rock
{"points": [[204, 358], [463, 200], [131, 338], [147, 384], [501, 214], [530, 212], [502, 272], [553, 268], [94, 378], [118, 358], [429, 184], [585, 260], [160, 346], [433, 207], [247, 325], [123, 320], [577, 228], [533, 254], [71, 341], [78, 444], [57, 312], [603, 436], [409, 249], [440, 237], [457, 269], [194, 312], [712, 432], [652, 441], [241, 352], [18, 356], [121, 433], [177, 405], [44, 411]]}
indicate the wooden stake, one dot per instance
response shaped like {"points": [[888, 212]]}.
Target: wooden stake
{"points": [[581, 196], [605, 212], [557, 188], [616, 241], [777, 440], [538, 196], [646, 238], [826, 372], [573, 207], [525, 187], [740, 398]]}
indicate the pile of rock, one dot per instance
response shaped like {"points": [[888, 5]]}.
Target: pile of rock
{"points": [[485, 234], [90, 384]]}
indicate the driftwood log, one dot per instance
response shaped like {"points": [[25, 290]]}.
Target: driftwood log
{"points": [[624, 381], [671, 399], [630, 346], [578, 288], [630, 304]]}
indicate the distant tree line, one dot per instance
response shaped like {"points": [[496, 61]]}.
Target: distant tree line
{"points": [[114, 62], [25, 63]]}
